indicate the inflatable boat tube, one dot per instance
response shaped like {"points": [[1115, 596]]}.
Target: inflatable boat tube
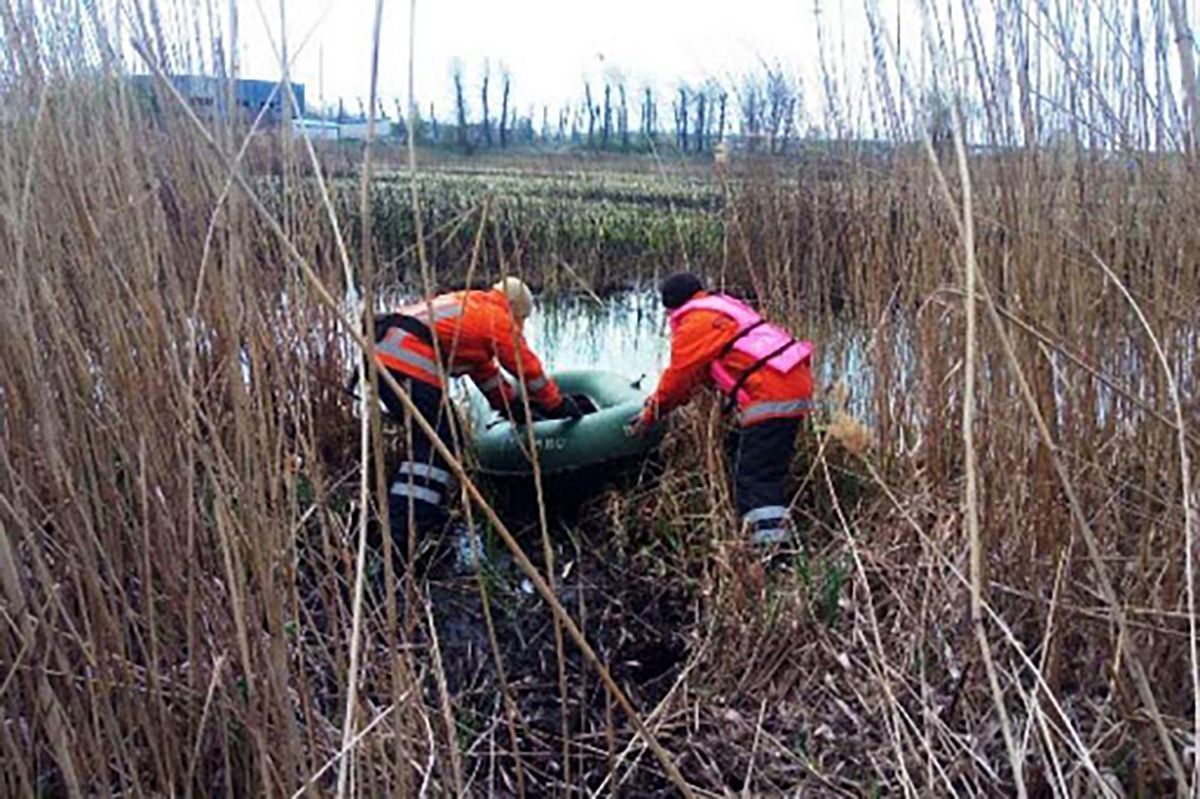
{"points": [[610, 402]]}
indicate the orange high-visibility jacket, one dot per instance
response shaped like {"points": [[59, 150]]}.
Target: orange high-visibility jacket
{"points": [[696, 343], [474, 330]]}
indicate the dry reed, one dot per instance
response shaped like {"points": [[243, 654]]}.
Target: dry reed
{"points": [[188, 602]]}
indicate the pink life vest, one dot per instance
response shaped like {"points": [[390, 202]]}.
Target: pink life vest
{"points": [[755, 338]]}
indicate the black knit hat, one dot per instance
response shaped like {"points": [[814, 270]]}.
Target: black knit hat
{"points": [[679, 288]]}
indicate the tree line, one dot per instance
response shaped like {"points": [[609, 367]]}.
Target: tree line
{"points": [[760, 112]]}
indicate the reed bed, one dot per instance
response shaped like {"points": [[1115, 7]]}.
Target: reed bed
{"points": [[610, 229], [996, 592]]}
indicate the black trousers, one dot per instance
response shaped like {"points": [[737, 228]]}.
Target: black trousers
{"points": [[422, 484], [761, 454]]}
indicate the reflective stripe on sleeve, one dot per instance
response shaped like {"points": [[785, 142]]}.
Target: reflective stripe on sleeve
{"points": [[490, 384], [442, 309]]}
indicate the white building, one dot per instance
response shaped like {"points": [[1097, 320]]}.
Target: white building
{"points": [[332, 130], [357, 131], [317, 128]]}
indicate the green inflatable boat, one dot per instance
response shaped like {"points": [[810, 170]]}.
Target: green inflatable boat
{"points": [[609, 401]]}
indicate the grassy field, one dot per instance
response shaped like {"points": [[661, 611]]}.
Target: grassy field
{"points": [[610, 228], [995, 595]]}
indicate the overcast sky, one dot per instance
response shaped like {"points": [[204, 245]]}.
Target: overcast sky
{"points": [[549, 46]]}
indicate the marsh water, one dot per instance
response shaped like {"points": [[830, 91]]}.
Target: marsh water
{"points": [[624, 333], [627, 334]]}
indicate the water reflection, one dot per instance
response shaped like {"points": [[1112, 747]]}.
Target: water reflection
{"points": [[625, 333]]}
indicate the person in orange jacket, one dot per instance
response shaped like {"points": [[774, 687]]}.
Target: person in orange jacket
{"points": [[472, 333], [760, 370]]}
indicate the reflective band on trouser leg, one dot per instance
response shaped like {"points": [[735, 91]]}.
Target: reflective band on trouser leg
{"points": [[772, 535], [421, 485], [423, 482], [419, 493], [768, 410], [768, 513], [536, 385], [763, 454], [425, 470], [767, 525]]}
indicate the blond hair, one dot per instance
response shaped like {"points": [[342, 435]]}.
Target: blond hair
{"points": [[520, 298]]}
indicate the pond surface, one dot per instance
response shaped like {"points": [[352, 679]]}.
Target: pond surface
{"points": [[627, 333]]}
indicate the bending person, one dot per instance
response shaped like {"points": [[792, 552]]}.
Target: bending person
{"points": [[761, 370], [472, 333]]}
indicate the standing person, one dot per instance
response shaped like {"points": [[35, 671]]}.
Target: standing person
{"points": [[760, 369], [473, 333]]}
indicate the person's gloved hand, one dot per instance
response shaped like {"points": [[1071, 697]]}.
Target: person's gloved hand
{"points": [[568, 409], [637, 426], [516, 413], [640, 425]]}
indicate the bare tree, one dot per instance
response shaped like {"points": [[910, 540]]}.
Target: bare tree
{"points": [[592, 110], [789, 124], [721, 124], [623, 117], [507, 78], [649, 113], [701, 99], [487, 123], [607, 129], [401, 127], [433, 124], [460, 101], [1185, 41], [681, 120], [939, 122], [779, 97], [751, 107], [1024, 87]]}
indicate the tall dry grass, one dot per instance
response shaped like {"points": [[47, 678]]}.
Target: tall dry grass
{"points": [[1072, 209], [182, 477]]}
